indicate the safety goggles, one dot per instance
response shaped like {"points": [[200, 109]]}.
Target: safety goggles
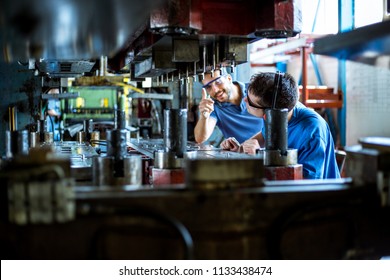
{"points": [[253, 105], [218, 81]]}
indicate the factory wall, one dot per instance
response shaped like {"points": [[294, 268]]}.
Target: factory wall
{"points": [[368, 101]]}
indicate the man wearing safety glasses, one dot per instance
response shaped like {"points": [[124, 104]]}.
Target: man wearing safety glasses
{"points": [[223, 105], [307, 132]]}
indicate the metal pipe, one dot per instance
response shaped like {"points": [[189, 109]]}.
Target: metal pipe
{"points": [[214, 59], [305, 92], [132, 169], [204, 62], [194, 75], [102, 169], [117, 143], [175, 131], [12, 118], [276, 129], [16, 143], [34, 139]]}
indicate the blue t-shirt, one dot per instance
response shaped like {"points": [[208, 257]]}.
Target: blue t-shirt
{"points": [[309, 133], [235, 121]]}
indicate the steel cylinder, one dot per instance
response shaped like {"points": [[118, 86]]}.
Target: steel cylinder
{"points": [[121, 115], [88, 128], [22, 142], [102, 170], [16, 143], [276, 129], [132, 170], [167, 160], [117, 143], [8, 144], [41, 128], [80, 136], [279, 158], [175, 131], [95, 138], [34, 139]]}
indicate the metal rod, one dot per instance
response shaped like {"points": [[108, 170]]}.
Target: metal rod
{"points": [[305, 92], [277, 84], [204, 60], [12, 118]]}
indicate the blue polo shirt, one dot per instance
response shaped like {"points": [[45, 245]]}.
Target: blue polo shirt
{"points": [[235, 121]]}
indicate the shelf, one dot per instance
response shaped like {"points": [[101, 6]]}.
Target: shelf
{"points": [[322, 97], [369, 44]]}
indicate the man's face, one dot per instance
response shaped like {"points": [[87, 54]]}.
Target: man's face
{"points": [[217, 86], [253, 105]]}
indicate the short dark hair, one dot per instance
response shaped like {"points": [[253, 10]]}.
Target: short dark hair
{"points": [[262, 86]]}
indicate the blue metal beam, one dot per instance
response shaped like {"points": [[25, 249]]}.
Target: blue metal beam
{"points": [[346, 22]]}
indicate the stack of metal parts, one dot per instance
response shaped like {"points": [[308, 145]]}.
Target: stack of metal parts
{"points": [[117, 167], [169, 162], [39, 188], [369, 164]]}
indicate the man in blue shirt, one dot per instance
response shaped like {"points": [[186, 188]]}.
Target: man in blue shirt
{"points": [[307, 132], [223, 105], [53, 115]]}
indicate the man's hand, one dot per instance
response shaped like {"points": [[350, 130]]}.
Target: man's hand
{"points": [[250, 146], [230, 144], [206, 105]]}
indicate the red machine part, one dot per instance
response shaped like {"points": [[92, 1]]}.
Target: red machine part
{"points": [[168, 176], [289, 172], [209, 19]]}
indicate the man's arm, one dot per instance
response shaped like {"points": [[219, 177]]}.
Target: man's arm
{"points": [[52, 113], [249, 146], [204, 128], [260, 138], [206, 124]]}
